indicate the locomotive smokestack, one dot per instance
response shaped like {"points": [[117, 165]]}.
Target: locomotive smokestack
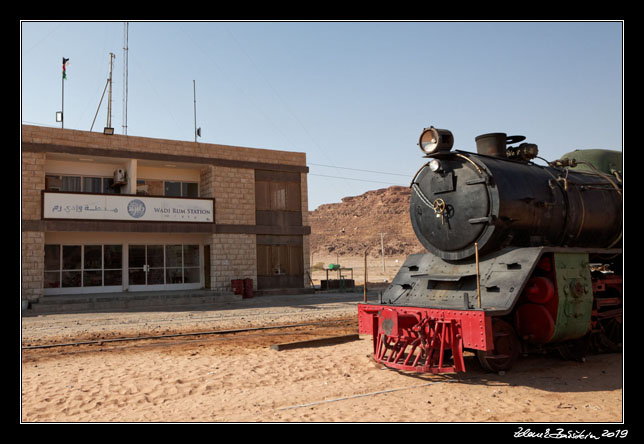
{"points": [[492, 144]]}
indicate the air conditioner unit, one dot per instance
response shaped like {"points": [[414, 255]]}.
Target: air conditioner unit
{"points": [[120, 177]]}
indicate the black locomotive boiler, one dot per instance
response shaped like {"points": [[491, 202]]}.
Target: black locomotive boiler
{"points": [[520, 257]]}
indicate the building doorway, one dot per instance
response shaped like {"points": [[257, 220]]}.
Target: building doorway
{"points": [[163, 267]]}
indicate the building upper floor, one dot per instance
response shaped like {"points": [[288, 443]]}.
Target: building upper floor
{"points": [[250, 186]]}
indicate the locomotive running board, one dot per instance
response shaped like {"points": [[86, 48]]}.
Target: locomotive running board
{"points": [[425, 280]]}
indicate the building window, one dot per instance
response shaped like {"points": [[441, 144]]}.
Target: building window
{"points": [[80, 184], [191, 264], [172, 189], [151, 187], [190, 189], [93, 266], [92, 185], [108, 186], [181, 189], [112, 265], [72, 266], [277, 191], [71, 183], [173, 264], [52, 266]]}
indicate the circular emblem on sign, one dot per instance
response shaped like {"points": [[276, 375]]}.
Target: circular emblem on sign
{"points": [[136, 208]]}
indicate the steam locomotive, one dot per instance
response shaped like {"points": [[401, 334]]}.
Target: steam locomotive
{"points": [[521, 257]]}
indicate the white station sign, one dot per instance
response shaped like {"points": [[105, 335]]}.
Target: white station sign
{"points": [[126, 207]]}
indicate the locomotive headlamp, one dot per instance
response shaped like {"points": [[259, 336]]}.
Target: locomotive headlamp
{"points": [[433, 140], [435, 165]]}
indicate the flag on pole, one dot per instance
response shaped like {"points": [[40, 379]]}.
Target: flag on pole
{"points": [[65, 64]]}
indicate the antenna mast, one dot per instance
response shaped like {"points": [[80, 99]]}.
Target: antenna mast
{"points": [[125, 48], [108, 129], [194, 92]]}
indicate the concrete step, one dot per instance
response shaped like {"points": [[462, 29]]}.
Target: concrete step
{"points": [[283, 291], [128, 300]]}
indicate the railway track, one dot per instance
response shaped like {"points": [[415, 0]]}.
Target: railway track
{"points": [[315, 329], [53, 324]]}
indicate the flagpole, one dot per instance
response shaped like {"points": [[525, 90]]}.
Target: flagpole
{"points": [[62, 112], [62, 116]]}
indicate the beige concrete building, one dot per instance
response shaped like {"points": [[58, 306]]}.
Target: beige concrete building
{"points": [[115, 213]]}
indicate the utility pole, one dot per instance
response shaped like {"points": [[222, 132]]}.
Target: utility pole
{"points": [[364, 294], [125, 49], [382, 250]]}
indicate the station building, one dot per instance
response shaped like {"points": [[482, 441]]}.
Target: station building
{"points": [[117, 213]]}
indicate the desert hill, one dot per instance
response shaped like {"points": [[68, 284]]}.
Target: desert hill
{"points": [[348, 227]]}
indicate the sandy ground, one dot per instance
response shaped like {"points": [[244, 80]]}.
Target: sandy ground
{"points": [[240, 378]]}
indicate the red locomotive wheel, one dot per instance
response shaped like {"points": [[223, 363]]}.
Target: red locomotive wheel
{"points": [[534, 323], [506, 348], [539, 290]]}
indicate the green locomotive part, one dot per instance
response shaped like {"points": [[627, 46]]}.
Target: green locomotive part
{"points": [[606, 161], [574, 287]]}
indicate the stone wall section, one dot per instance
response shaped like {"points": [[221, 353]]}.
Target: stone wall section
{"points": [[33, 242], [33, 182], [233, 256], [234, 193], [32, 265]]}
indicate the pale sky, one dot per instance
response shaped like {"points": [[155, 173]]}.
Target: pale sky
{"points": [[351, 95]]}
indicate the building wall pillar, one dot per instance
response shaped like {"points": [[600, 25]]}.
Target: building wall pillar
{"points": [[33, 242], [33, 265], [306, 250], [131, 168], [232, 256]]}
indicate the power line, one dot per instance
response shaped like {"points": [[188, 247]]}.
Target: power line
{"points": [[39, 124], [364, 171], [359, 180]]}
